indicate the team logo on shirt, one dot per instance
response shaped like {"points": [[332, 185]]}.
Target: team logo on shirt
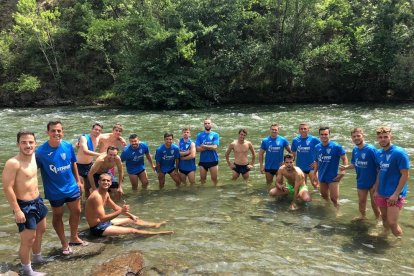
{"points": [[363, 155], [140, 151], [172, 151], [63, 155], [307, 142], [278, 143], [50, 153], [388, 156], [328, 151]]}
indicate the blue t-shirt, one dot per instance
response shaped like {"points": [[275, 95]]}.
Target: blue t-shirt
{"points": [[274, 148], [211, 138], [391, 162], [186, 165], [366, 166], [134, 158], [55, 166], [167, 156], [304, 148], [328, 160]]}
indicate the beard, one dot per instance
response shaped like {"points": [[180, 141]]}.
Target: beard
{"points": [[208, 128]]}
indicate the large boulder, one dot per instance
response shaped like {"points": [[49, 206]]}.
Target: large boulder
{"points": [[130, 263]]}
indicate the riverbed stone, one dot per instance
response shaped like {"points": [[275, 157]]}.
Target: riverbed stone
{"points": [[90, 250], [130, 263]]}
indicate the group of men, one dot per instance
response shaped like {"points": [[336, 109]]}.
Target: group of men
{"points": [[381, 173]]}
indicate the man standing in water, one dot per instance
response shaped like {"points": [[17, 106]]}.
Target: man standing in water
{"points": [[241, 149], [273, 145], [364, 160], [102, 224], [303, 147], [391, 185], [86, 153], [328, 154], [57, 163], [106, 163], [295, 185], [187, 165], [112, 139], [207, 143], [167, 157], [133, 155], [21, 190]]}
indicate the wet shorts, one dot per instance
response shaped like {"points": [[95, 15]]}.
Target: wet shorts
{"points": [[382, 202], [60, 202], [114, 184], [241, 169], [34, 211], [208, 165], [272, 172], [291, 189], [98, 229], [138, 173], [83, 169], [185, 172], [305, 172]]}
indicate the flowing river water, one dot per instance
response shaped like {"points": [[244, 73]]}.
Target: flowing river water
{"points": [[234, 228]]}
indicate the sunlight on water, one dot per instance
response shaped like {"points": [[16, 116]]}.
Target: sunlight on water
{"points": [[234, 228]]}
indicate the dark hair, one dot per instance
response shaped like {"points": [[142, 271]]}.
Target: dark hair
{"points": [[23, 133], [97, 124], [324, 128], [168, 134], [288, 156], [53, 123], [243, 130], [111, 148], [133, 136]]}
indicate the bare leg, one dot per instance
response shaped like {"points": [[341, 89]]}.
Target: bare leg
{"points": [[324, 189], [174, 175], [139, 222], [40, 230], [334, 193], [134, 181], [314, 179], [203, 174], [374, 206], [120, 230], [269, 178], [183, 178], [393, 213], [362, 203], [57, 222], [234, 175], [214, 174], [74, 219], [161, 180], [143, 177], [27, 238], [191, 177], [277, 192], [385, 224]]}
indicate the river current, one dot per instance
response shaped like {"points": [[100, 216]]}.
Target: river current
{"points": [[234, 228]]}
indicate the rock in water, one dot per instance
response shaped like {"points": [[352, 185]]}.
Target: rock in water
{"points": [[130, 263]]}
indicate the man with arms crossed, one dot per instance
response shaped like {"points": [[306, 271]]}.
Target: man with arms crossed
{"points": [[295, 184], [86, 152], [133, 155], [57, 163], [102, 224], [241, 149], [167, 157], [327, 156], [391, 185], [187, 165], [207, 143], [106, 163], [364, 160], [273, 145], [303, 147], [21, 190]]}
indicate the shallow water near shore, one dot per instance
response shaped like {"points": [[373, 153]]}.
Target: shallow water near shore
{"points": [[233, 228]]}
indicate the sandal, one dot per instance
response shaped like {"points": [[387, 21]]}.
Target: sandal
{"points": [[67, 251], [82, 243]]}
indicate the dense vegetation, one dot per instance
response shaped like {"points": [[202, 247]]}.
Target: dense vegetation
{"points": [[189, 53]]}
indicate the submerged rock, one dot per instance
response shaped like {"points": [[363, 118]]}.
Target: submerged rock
{"points": [[130, 263], [90, 250]]}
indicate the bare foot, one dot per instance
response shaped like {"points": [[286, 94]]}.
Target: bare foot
{"points": [[358, 219], [293, 207], [157, 225]]}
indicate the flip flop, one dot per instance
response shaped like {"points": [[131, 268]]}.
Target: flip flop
{"points": [[82, 243], [67, 251]]}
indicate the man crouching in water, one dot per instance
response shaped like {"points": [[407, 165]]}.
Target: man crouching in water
{"points": [[295, 184], [102, 224]]}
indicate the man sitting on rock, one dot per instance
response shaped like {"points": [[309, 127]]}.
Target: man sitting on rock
{"points": [[102, 224]]}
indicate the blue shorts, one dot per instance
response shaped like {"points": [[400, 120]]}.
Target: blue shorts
{"points": [[241, 169], [272, 172], [60, 202], [83, 169], [114, 184], [34, 211], [138, 173], [185, 172], [98, 229], [208, 165]]}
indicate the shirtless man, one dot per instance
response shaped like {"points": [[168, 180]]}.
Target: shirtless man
{"points": [[102, 224], [112, 139], [21, 190], [295, 184], [241, 149], [86, 152], [106, 163]]}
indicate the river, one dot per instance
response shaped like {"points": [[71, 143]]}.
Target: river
{"points": [[234, 228]]}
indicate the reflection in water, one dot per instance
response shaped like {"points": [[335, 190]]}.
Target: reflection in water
{"points": [[235, 227]]}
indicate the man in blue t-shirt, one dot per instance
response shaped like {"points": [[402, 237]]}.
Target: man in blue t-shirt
{"points": [[364, 160], [274, 146], [187, 166], [133, 155], [303, 147], [391, 186], [167, 157], [207, 143], [327, 156], [57, 163]]}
